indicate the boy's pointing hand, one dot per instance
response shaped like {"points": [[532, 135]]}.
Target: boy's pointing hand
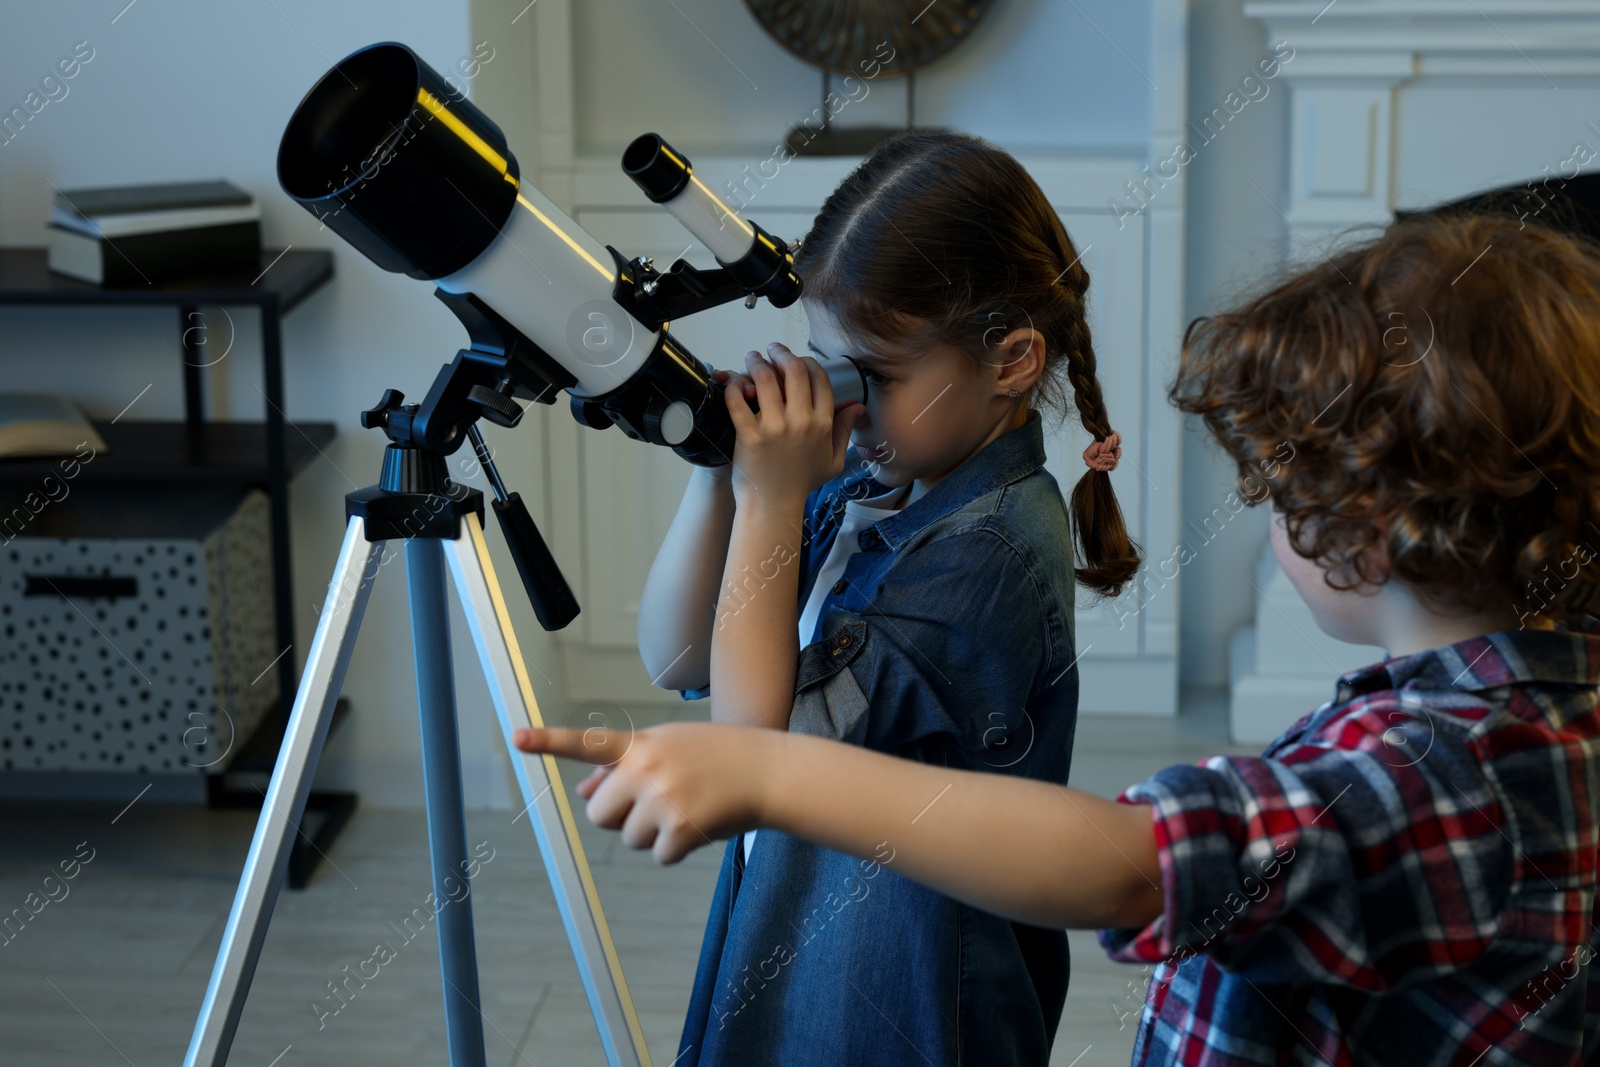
{"points": [[671, 788]]}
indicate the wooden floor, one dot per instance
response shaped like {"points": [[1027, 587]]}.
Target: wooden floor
{"points": [[114, 971]]}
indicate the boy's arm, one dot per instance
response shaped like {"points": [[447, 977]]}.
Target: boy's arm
{"points": [[1028, 850]]}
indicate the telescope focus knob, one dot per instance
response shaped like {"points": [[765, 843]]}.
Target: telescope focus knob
{"points": [[378, 417], [495, 405], [588, 413]]}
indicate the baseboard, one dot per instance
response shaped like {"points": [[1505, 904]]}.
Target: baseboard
{"points": [[1119, 686], [1146, 686], [393, 781], [1262, 706], [101, 786]]}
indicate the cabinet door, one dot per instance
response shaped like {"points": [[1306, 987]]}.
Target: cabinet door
{"points": [[630, 490]]}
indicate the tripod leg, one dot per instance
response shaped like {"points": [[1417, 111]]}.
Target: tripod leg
{"points": [[441, 778], [286, 798], [546, 800]]}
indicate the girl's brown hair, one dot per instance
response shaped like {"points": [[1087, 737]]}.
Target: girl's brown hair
{"points": [[942, 238], [1439, 386]]}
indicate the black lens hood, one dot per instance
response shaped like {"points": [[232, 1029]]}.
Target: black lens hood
{"points": [[395, 160]]}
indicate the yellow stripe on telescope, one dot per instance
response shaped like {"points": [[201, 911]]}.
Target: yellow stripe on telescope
{"points": [[459, 128], [480, 146], [667, 151], [605, 272]]}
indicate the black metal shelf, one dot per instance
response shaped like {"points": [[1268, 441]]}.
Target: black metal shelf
{"points": [[166, 451], [285, 278], [196, 449], [266, 454]]}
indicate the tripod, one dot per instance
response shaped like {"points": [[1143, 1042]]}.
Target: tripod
{"points": [[441, 525]]}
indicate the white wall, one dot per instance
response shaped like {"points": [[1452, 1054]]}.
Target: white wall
{"points": [[1537, 134], [185, 89]]}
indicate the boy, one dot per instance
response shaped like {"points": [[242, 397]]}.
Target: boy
{"points": [[1407, 875]]}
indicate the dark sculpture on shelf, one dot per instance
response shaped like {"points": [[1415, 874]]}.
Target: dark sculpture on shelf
{"points": [[863, 40]]}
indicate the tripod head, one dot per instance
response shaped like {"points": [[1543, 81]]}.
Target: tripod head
{"points": [[415, 497]]}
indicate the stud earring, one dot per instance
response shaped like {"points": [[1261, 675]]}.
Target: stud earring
{"points": [[1012, 393]]}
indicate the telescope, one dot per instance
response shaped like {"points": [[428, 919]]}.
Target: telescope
{"points": [[397, 161], [394, 159]]}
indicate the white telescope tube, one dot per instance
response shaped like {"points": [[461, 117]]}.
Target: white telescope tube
{"points": [[553, 281], [711, 221]]}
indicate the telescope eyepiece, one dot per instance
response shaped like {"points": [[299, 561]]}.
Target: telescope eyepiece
{"points": [[655, 167]]}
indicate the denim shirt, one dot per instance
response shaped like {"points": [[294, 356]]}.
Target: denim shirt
{"points": [[948, 640]]}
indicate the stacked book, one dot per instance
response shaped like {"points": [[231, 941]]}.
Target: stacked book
{"points": [[143, 234], [45, 424]]}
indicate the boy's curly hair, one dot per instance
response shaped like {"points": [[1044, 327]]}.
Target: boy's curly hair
{"points": [[1439, 387]]}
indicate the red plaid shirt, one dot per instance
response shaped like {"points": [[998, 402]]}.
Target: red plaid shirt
{"points": [[1406, 877]]}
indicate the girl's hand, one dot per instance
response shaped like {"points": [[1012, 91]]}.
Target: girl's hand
{"points": [[733, 380], [795, 443], [671, 788], [736, 380]]}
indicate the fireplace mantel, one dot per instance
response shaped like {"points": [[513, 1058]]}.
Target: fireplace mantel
{"points": [[1481, 37], [1355, 152]]}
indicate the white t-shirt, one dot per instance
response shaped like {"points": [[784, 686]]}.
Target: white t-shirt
{"points": [[858, 515]]}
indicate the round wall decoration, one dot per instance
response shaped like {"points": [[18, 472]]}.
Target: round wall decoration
{"points": [[838, 35]]}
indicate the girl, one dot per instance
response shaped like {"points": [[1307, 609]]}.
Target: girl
{"points": [[917, 601]]}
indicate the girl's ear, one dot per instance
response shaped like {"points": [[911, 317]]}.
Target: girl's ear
{"points": [[1020, 359]]}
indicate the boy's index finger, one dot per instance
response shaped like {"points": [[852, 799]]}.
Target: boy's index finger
{"points": [[595, 745]]}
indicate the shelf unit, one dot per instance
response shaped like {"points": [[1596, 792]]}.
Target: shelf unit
{"points": [[260, 454]]}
